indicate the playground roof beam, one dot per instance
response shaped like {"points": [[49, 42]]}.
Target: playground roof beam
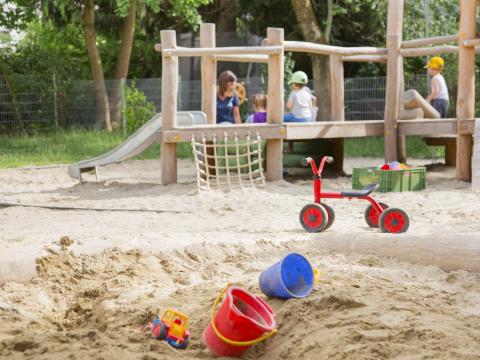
{"points": [[321, 49], [427, 51], [365, 58], [243, 58], [436, 40], [234, 50]]}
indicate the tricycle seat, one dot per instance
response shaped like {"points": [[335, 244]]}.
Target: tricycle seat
{"points": [[367, 190]]}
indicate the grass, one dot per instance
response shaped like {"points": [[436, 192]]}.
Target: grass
{"points": [[72, 146], [66, 148], [373, 147]]}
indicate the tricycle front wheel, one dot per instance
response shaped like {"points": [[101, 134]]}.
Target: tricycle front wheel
{"points": [[314, 218], [330, 215], [394, 221]]}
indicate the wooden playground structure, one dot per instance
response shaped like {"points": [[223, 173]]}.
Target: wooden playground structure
{"points": [[275, 131]]}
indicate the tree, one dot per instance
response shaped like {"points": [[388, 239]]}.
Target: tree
{"points": [[310, 27], [85, 11]]}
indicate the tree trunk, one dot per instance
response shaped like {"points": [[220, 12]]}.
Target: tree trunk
{"points": [[88, 20], [227, 17], [321, 85], [311, 31], [123, 61]]}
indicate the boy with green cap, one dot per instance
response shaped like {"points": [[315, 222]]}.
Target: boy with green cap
{"points": [[300, 100]]}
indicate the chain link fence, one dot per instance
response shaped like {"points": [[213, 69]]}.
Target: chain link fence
{"points": [[42, 103]]}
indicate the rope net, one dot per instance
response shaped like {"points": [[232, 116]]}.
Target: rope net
{"points": [[227, 163]]}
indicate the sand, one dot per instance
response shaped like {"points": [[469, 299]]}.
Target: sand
{"points": [[80, 284]]}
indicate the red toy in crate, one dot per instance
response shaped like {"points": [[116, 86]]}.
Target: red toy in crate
{"points": [[318, 216]]}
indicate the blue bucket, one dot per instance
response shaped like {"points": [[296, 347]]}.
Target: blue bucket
{"points": [[291, 277]]}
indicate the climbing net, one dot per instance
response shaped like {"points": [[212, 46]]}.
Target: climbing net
{"points": [[227, 163]]}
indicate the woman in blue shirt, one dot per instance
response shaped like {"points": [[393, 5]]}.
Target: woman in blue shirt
{"points": [[228, 110]]}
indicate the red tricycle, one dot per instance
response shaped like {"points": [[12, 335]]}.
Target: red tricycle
{"points": [[319, 216]]}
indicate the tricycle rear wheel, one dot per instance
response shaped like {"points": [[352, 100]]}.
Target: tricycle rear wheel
{"points": [[371, 216], [313, 218]]}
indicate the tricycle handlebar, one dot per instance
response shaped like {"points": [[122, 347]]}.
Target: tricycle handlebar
{"points": [[315, 170]]}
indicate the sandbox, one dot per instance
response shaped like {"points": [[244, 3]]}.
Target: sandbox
{"points": [[90, 298]]}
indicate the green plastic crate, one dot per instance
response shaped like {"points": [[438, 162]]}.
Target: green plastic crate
{"points": [[390, 180]]}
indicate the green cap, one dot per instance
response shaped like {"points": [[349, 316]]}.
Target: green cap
{"points": [[298, 77]]}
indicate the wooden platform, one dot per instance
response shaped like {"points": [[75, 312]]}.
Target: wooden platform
{"points": [[320, 129]]}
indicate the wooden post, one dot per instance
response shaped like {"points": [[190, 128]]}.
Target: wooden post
{"points": [[392, 93], [402, 141], [338, 107], [466, 86], [275, 104], [209, 74], [168, 156]]}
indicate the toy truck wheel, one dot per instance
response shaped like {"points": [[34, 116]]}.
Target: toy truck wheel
{"points": [[184, 344], [372, 217], [394, 221], [330, 215], [313, 218], [162, 332]]}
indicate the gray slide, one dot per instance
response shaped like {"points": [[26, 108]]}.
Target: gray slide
{"points": [[136, 143]]}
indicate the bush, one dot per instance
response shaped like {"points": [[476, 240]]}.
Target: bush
{"points": [[138, 110]]}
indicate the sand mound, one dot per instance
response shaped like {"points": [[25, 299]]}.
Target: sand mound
{"points": [[93, 306]]}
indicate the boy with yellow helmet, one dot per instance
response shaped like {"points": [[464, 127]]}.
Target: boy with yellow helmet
{"points": [[438, 97]]}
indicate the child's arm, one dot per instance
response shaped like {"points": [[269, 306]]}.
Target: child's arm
{"points": [[290, 101], [236, 115], [435, 90]]}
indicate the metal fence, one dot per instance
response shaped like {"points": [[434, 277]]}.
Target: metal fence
{"points": [[43, 103]]}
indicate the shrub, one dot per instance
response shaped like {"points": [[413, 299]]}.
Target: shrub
{"points": [[138, 110]]}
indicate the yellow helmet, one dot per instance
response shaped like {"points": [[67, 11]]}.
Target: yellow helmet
{"points": [[436, 63]]}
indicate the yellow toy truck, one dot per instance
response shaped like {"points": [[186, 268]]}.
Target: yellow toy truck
{"points": [[172, 327]]}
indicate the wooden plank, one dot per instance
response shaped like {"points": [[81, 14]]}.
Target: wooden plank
{"points": [[427, 51], [275, 104], [411, 99], [243, 58], [427, 127], [435, 40], [411, 114], [471, 42], [466, 86], [184, 133], [168, 156], [365, 58], [233, 50], [208, 74], [338, 107], [321, 49], [333, 129]]}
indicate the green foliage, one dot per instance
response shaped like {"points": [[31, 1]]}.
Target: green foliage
{"points": [[138, 110], [16, 14], [47, 49], [187, 10]]}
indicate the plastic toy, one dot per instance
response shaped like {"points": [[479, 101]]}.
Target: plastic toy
{"points": [[171, 327], [319, 216]]}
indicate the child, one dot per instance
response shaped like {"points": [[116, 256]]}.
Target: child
{"points": [[300, 100], [439, 95], [260, 109], [228, 111]]}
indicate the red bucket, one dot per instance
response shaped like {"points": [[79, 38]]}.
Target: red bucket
{"points": [[243, 320]]}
